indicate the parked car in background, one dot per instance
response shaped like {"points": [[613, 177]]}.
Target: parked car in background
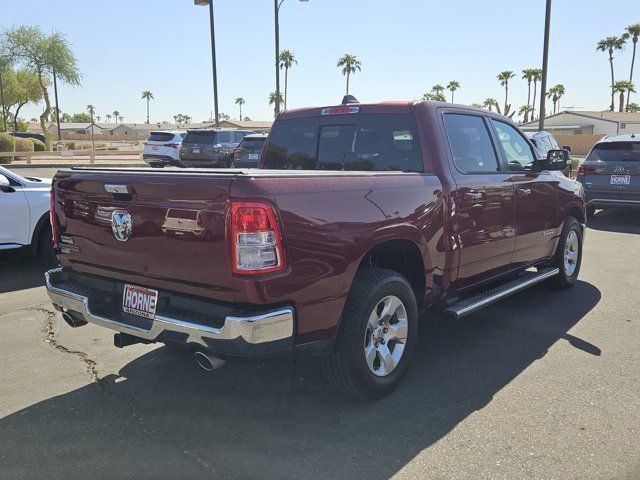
{"points": [[247, 153], [611, 173], [211, 147], [544, 141], [24, 214], [163, 148], [37, 136], [359, 217]]}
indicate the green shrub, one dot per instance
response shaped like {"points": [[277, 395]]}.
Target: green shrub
{"points": [[113, 148], [7, 144], [70, 145], [38, 146], [24, 145]]}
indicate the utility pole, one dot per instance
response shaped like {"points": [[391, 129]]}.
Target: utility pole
{"points": [[545, 64]]}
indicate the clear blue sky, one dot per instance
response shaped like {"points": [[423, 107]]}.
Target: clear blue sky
{"points": [[406, 46]]}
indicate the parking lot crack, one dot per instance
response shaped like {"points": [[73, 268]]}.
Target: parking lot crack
{"points": [[50, 338]]}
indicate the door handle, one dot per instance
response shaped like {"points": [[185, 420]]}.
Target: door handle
{"points": [[472, 196], [523, 192]]}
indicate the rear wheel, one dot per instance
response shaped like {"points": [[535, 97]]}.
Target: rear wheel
{"points": [[568, 255], [377, 335]]}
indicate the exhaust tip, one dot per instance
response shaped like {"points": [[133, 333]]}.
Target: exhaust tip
{"points": [[72, 320], [208, 362]]}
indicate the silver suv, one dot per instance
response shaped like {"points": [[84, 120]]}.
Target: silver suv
{"points": [[611, 173]]}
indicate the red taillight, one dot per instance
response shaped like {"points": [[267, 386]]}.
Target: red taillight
{"points": [[171, 145], [582, 170], [52, 218], [255, 238]]}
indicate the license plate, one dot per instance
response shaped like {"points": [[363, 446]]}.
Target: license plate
{"points": [[620, 179], [254, 156], [139, 301], [195, 150], [154, 148]]}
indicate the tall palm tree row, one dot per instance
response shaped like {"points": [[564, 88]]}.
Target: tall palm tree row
{"points": [[609, 45], [634, 32], [350, 64], [274, 99], [148, 96], [503, 78], [240, 101], [527, 74], [537, 76], [287, 60], [490, 103], [108, 117], [116, 115], [622, 86], [525, 110], [452, 86], [555, 93]]}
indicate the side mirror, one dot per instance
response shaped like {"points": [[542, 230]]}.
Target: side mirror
{"points": [[557, 159], [567, 148], [5, 186]]}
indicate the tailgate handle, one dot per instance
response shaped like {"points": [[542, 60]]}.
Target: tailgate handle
{"points": [[116, 188]]}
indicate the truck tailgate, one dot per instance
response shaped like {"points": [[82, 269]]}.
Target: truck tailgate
{"points": [[177, 240]]}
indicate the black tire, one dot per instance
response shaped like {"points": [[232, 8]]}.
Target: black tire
{"points": [[567, 279], [345, 367], [157, 165], [591, 211], [45, 249]]}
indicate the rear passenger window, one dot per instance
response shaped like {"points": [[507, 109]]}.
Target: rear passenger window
{"points": [[470, 144]]}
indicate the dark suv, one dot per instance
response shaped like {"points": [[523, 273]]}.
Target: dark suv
{"points": [[611, 173], [212, 147], [247, 154]]}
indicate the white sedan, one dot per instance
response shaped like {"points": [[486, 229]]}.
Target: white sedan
{"points": [[24, 214]]}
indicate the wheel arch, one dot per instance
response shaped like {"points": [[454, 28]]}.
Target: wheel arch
{"points": [[35, 235]]}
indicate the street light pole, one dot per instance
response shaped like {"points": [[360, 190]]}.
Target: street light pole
{"points": [[545, 64], [213, 54], [276, 7]]}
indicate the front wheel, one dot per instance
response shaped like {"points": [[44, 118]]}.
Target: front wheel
{"points": [[377, 335], [568, 257]]}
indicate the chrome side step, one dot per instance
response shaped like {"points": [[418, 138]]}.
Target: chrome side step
{"points": [[486, 298]]}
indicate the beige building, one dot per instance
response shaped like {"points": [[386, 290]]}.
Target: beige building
{"points": [[589, 123]]}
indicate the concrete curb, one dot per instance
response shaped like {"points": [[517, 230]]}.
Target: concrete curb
{"points": [[11, 166]]}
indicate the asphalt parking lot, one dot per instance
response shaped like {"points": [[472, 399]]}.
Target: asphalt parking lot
{"points": [[544, 385]]}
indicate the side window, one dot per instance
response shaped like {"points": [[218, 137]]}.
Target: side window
{"points": [[552, 142], [470, 143], [515, 148]]}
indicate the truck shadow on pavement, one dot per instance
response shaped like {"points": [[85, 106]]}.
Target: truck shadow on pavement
{"points": [[163, 417], [617, 220], [20, 272]]}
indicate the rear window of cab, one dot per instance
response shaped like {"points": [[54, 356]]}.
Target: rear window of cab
{"points": [[356, 142]]}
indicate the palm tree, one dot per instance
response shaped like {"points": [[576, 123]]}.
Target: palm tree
{"points": [[610, 44], [560, 91], [435, 94], [287, 60], [275, 99], [350, 64], [489, 103], [620, 87], [504, 78], [555, 93], [108, 117], [452, 86], [634, 32], [148, 96], [115, 116], [525, 110], [98, 117], [537, 76], [120, 118], [527, 74], [240, 101], [91, 109], [477, 105], [633, 108]]}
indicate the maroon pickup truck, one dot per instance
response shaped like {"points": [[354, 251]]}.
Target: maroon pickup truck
{"points": [[360, 217]]}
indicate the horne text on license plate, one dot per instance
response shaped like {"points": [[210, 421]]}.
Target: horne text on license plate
{"points": [[254, 156], [620, 179], [139, 301]]}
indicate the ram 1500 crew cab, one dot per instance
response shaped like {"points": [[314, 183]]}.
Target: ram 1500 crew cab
{"points": [[360, 217]]}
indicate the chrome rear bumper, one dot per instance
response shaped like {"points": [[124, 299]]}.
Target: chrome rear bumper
{"points": [[238, 335]]}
